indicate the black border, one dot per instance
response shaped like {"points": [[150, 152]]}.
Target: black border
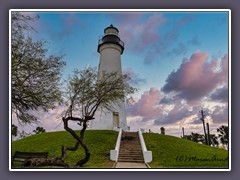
{"points": [[234, 5]]}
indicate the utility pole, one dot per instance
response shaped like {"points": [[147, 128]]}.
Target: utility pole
{"points": [[205, 134], [183, 133], [209, 138]]}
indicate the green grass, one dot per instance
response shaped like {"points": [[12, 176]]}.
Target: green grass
{"points": [[167, 150], [99, 142], [173, 152]]}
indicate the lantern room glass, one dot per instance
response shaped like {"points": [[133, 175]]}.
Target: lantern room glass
{"points": [[111, 31]]}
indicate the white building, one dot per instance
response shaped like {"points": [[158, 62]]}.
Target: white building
{"points": [[110, 48]]}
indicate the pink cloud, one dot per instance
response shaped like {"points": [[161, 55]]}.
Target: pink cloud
{"points": [[149, 28], [138, 33], [184, 20], [140, 30], [70, 23], [197, 77], [147, 106]]}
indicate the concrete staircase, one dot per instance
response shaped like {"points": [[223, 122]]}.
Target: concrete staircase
{"points": [[130, 148]]}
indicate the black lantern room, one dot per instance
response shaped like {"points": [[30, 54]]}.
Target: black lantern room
{"points": [[111, 36]]}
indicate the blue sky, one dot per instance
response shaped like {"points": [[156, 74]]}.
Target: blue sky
{"points": [[179, 61]]}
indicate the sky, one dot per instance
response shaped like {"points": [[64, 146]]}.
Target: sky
{"points": [[179, 61]]}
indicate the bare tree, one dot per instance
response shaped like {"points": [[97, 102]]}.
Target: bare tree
{"points": [[86, 93]]}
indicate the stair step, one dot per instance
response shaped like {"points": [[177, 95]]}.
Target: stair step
{"points": [[129, 156], [127, 152], [130, 160], [130, 149], [125, 158], [130, 152]]}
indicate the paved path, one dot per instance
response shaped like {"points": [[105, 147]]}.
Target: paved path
{"points": [[130, 165]]}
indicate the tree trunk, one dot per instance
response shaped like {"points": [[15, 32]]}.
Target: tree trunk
{"points": [[66, 148], [79, 142]]}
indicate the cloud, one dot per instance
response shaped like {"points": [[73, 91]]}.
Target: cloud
{"points": [[135, 79], [166, 46], [182, 47], [180, 113], [220, 114], [141, 34], [194, 41], [220, 94], [70, 23], [158, 109], [184, 20], [166, 100], [138, 33], [217, 114], [197, 77], [66, 25], [155, 108], [140, 30], [147, 106]]}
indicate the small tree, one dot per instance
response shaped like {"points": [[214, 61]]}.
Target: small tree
{"points": [[14, 130], [39, 130], [214, 140], [223, 134], [195, 137], [162, 129], [86, 93], [198, 137]]}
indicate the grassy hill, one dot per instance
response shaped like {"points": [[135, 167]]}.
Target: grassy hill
{"points": [[173, 152], [168, 151], [99, 142]]}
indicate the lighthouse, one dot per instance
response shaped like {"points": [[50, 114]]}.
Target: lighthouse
{"points": [[110, 48]]}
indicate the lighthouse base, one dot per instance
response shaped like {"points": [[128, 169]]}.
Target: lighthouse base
{"points": [[111, 120]]}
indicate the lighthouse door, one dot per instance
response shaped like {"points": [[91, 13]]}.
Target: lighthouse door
{"points": [[115, 119]]}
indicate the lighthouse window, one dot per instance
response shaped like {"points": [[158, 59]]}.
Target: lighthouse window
{"points": [[111, 31]]}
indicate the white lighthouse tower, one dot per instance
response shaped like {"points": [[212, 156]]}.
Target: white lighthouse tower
{"points": [[110, 48]]}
